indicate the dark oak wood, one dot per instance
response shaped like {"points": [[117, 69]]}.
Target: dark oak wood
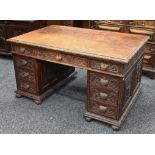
{"points": [[113, 60], [10, 28]]}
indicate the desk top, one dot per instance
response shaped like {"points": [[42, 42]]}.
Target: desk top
{"points": [[95, 43]]}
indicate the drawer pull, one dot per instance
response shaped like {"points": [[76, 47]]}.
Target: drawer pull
{"points": [[103, 95], [103, 108], [104, 82], [24, 74], [26, 86], [22, 49], [24, 62], [58, 57], [104, 66]]}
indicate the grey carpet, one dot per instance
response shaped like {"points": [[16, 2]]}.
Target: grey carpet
{"points": [[63, 111]]}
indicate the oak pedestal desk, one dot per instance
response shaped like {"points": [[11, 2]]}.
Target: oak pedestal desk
{"points": [[46, 57]]}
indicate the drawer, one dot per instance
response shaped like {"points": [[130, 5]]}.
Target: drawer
{"points": [[105, 66], [107, 111], [97, 80], [23, 62], [25, 75], [104, 96], [24, 50], [26, 86], [62, 58]]}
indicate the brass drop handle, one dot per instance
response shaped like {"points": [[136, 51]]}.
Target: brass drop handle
{"points": [[103, 95], [103, 108], [26, 86], [58, 57], [22, 49], [104, 66], [25, 74], [24, 62], [104, 82]]}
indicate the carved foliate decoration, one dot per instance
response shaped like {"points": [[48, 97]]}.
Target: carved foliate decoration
{"points": [[103, 96], [104, 81], [63, 58], [106, 111], [26, 87], [26, 75], [128, 88], [104, 67], [138, 72], [23, 62]]}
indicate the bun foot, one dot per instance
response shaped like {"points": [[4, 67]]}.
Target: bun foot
{"points": [[18, 95], [37, 102], [115, 127], [88, 119]]}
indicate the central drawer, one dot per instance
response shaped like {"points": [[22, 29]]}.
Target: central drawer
{"points": [[62, 58]]}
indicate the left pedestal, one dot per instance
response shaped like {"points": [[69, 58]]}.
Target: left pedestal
{"points": [[37, 79]]}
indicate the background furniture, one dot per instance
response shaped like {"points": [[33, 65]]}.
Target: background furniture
{"points": [[113, 77], [12, 28], [145, 27], [74, 23]]}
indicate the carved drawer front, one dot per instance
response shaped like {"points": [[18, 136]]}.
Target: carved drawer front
{"points": [[62, 58], [26, 76], [98, 80], [104, 96], [104, 66], [23, 50], [24, 63], [106, 111], [26, 86]]}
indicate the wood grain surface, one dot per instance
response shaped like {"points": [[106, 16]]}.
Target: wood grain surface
{"points": [[86, 42]]}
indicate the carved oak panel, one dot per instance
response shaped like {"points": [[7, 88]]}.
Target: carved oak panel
{"points": [[62, 58], [98, 80], [26, 76], [24, 63], [25, 86], [24, 50], [104, 96], [105, 66], [101, 110]]}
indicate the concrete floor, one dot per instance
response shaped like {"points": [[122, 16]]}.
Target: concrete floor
{"points": [[63, 111]]}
